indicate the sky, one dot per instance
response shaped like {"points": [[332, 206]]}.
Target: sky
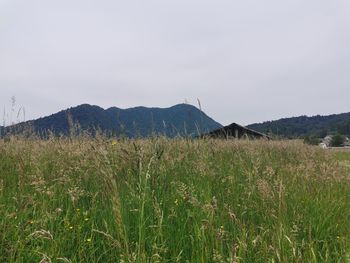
{"points": [[245, 61]]}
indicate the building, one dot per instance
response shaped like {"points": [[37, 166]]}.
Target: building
{"points": [[235, 130], [326, 142]]}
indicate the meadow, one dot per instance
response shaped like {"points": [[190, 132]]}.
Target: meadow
{"points": [[172, 200]]}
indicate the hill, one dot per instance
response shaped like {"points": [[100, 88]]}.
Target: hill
{"points": [[302, 126], [181, 119]]}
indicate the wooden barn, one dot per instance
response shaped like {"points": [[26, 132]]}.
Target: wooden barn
{"points": [[235, 130]]}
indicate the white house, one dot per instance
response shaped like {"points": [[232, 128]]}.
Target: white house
{"points": [[326, 142]]}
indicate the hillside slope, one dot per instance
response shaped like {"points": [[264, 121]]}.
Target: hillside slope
{"points": [[181, 119], [304, 125]]}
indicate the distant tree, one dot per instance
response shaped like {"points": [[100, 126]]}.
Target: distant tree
{"points": [[322, 133], [343, 127], [298, 127], [337, 140], [311, 140]]}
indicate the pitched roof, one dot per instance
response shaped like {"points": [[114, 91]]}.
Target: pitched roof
{"points": [[234, 130]]}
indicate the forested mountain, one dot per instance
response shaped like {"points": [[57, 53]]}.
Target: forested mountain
{"points": [[302, 126], [181, 119]]}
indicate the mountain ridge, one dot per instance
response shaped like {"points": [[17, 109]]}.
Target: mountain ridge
{"points": [[295, 127], [180, 119]]}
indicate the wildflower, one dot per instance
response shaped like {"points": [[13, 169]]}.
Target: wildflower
{"points": [[114, 143], [70, 227], [88, 240], [86, 219]]}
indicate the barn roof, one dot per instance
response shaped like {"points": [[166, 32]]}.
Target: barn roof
{"points": [[234, 130]]}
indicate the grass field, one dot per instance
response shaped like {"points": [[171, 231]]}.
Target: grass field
{"points": [[160, 200]]}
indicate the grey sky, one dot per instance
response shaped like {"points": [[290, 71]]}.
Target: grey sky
{"points": [[246, 61]]}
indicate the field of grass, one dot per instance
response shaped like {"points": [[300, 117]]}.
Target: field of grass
{"points": [[160, 200]]}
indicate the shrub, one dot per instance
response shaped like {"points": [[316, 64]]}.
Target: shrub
{"points": [[312, 140], [337, 140]]}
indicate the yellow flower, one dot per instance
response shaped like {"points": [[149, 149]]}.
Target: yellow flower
{"points": [[70, 227], [114, 143], [86, 219], [88, 240]]}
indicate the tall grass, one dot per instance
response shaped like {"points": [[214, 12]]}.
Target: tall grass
{"points": [[160, 200]]}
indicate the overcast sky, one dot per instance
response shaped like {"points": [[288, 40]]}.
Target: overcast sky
{"points": [[246, 61]]}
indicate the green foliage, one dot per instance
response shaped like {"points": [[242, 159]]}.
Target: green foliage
{"points": [[337, 140], [312, 140], [160, 200], [298, 127]]}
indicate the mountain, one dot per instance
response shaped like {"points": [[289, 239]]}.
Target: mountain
{"points": [[302, 126], [181, 119]]}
